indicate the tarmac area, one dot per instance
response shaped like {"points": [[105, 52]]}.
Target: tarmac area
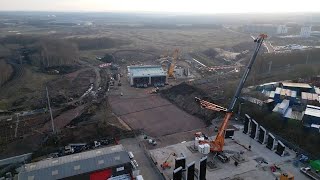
{"points": [[146, 166], [153, 114]]}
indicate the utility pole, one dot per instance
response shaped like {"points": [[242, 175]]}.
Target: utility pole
{"points": [[250, 142], [52, 123], [270, 65], [17, 124]]}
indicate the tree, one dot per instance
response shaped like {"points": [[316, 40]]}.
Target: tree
{"points": [[5, 72], [51, 53]]}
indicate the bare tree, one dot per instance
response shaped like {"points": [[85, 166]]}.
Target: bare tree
{"points": [[55, 53], [5, 72]]}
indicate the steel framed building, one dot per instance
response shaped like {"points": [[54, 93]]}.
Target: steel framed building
{"points": [[101, 163], [144, 76]]}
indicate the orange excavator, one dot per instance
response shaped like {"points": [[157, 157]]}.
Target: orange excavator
{"points": [[166, 163], [217, 145]]}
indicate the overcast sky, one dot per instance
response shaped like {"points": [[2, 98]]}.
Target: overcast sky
{"points": [[194, 6]]}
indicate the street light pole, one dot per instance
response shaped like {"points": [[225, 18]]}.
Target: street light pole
{"points": [[52, 123]]}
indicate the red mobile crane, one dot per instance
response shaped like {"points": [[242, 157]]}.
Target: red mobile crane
{"points": [[218, 143]]}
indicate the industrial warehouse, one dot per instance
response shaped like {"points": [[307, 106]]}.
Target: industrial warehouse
{"points": [[144, 76], [102, 163]]}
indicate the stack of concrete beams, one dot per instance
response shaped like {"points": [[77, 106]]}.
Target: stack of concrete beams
{"points": [[260, 134]]}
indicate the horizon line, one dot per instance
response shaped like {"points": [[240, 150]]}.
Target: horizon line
{"points": [[163, 12]]}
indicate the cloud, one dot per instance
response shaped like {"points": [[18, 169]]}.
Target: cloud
{"points": [[196, 6]]}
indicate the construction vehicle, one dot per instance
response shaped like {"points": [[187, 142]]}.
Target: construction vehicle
{"points": [[223, 158], [152, 142], [68, 150], [166, 163], [173, 64], [286, 176], [218, 144], [155, 90]]}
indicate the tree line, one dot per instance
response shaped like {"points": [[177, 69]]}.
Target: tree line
{"points": [[97, 43], [47, 51], [5, 72], [50, 52]]}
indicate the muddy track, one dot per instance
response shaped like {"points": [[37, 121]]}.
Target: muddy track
{"points": [[97, 81], [96, 69]]}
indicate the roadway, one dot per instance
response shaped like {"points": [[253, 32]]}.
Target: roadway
{"points": [[147, 168]]}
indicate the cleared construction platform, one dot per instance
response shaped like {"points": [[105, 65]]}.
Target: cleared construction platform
{"points": [[254, 164], [153, 114]]}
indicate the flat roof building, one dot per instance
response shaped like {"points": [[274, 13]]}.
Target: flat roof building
{"points": [[298, 87], [266, 28], [282, 107], [144, 76], [100, 163], [309, 96], [305, 31], [311, 115]]}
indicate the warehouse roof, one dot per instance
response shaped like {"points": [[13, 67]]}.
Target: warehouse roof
{"points": [[285, 92], [312, 111], [310, 96], [271, 95], [284, 104], [146, 71], [75, 164], [298, 85]]}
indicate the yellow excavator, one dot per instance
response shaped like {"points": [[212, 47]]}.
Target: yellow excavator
{"points": [[286, 176], [173, 63]]}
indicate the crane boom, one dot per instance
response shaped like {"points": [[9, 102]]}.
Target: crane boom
{"points": [[245, 75], [218, 143], [173, 63]]}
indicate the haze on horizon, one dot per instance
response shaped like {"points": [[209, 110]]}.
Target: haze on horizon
{"points": [[178, 6]]}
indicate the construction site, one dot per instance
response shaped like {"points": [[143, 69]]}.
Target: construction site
{"points": [[139, 106]]}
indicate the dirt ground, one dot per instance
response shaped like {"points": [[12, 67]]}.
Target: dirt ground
{"points": [[155, 115], [63, 119]]}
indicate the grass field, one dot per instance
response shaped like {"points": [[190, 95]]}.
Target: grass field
{"points": [[26, 88], [185, 39]]}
